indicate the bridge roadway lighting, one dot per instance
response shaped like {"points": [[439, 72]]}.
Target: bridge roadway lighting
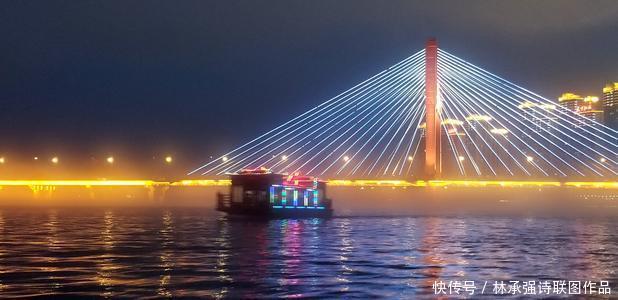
{"points": [[55, 160], [168, 159]]}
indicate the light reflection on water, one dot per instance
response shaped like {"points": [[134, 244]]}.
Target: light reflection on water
{"points": [[197, 253]]}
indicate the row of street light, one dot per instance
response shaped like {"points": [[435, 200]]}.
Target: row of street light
{"points": [[110, 159]]}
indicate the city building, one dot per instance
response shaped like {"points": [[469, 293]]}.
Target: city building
{"points": [[570, 101], [591, 108], [588, 109], [539, 116], [610, 105]]}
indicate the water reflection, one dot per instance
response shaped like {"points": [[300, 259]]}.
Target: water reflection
{"points": [[222, 243], [290, 251], [345, 249], [106, 264], [53, 245], [166, 256], [3, 253], [431, 258], [189, 253]]}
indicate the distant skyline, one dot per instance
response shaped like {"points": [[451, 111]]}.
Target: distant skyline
{"points": [[197, 78]]}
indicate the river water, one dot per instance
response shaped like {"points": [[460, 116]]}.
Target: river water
{"points": [[198, 253]]}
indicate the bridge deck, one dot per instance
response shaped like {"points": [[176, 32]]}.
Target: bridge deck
{"points": [[334, 182]]}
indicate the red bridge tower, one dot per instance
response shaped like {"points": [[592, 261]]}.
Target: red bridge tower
{"points": [[433, 168]]}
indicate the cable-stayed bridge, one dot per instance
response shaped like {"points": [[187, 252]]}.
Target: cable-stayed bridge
{"points": [[432, 115]]}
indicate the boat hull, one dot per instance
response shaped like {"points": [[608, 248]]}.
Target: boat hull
{"points": [[291, 212]]}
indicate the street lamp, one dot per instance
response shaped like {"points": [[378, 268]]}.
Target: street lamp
{"points": [[2, 160], [110, 160], [168, 159], [55, 160]]}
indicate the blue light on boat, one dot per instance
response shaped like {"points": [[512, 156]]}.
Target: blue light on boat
{"points": [[299, 207]]}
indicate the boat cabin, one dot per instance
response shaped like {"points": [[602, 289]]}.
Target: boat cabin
{"points": [[261, 192]]}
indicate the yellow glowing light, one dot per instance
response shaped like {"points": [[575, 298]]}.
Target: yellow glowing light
{"points": [[224, 158], [431, 183], [601, 184], [110, 160], [203, 182], [487, 183], [370, 183], [469, 183], [485, 118], [528, 104], [609, 88], [85, 183], [410, 158], [501, 131], [2, 160], [461, 158], [592, 99], [529, 158], [168, 159], [423, 125], [569, 97], [284, 157], [36, 158], [55, 160], [352, 183], [346, 158], [603, 159]]}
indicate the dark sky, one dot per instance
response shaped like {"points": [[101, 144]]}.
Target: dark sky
{"points": [[198, 77]]}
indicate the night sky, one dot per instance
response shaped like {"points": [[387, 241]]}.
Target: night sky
{"points": [[195, 78]]}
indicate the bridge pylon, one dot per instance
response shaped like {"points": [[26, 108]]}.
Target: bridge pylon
{"points": [[433, 168]]}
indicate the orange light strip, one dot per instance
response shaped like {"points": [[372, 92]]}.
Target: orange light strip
{"points": [[333, 182], [204, 182], [472, 183], [78, 183]]}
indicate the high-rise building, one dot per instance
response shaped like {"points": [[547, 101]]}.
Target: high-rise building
{"points": [[588, 109], [570, 101], [592, 111], [610, 105]]}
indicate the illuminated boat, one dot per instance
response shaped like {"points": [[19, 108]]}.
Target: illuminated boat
{"points": [[259, 192]]}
